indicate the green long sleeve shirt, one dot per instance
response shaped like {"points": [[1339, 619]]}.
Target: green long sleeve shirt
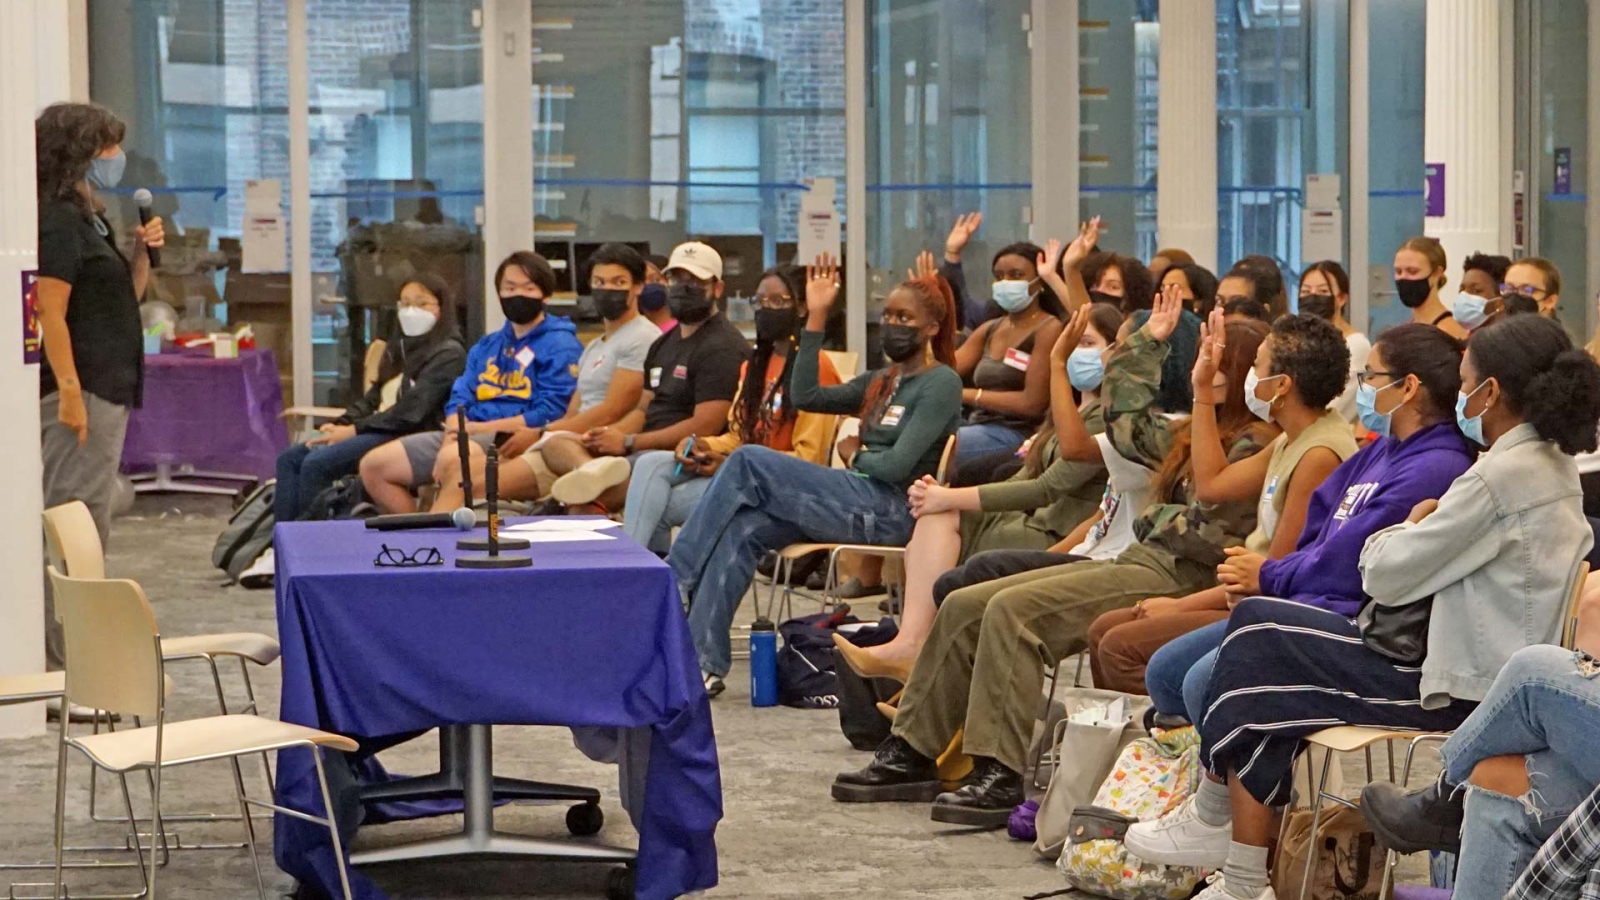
{"points": [[906, 433], [1058, 499]]}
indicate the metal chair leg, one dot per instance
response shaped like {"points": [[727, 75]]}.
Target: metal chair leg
{"points": [[333, 826], [1316, 820], [249, 827], [61, 796], [255, 710], [1038, 753]]}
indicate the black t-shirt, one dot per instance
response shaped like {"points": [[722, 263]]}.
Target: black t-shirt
{"points": [[685, 371], [102, 310]]}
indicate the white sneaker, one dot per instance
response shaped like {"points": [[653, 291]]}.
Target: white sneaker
{"points": [[587, 482], [1216, 890], [261, 572], [1179, 838]]}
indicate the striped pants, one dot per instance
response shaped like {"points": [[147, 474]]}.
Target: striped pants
{"points": [[1286, 671]]}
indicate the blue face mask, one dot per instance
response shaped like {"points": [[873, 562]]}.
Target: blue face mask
{"points": [[1012, 295], [652, 297], [1471, 427], [1366, 409], [1085, 368], [1470, 311], [106, 171]]}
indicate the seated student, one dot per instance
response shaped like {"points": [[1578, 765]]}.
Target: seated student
{"points": [[1325, 292], [414, 379], [522, 374], [1166, 260], [1004, 366], [1419, 274], [1479, 299], [1198, 285], [610, 380], [1418, 453], [667, 484], [1035, 509], [762, 500], [1246, 292], [691, 375], [1263, 271], [1526, 757], [1496, 554], [983, 664], [1537, 279], [1304, 361], [653, 296]]}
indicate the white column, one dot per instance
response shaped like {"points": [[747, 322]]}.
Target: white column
{"points": [[855, 178], [23, 70], [1053, 40], [1186, 185], [507, 139], [300, 302], [1358, 200], [1461, 121]]}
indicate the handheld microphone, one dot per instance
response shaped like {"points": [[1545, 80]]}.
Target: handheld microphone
{"points": [[464, 519], [144, 200]]}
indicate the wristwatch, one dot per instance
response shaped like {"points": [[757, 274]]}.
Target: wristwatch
{"points": [[627, 443]]}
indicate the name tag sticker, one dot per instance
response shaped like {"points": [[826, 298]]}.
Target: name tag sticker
{"points": [[524, 356], [655, 377], [1017, 359], [892, 416], [680, 371]]}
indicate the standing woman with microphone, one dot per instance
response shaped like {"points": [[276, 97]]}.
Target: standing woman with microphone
{"points": [[88, 307]]}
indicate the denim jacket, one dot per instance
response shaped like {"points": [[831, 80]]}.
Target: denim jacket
{"points": [[1499, 557]]}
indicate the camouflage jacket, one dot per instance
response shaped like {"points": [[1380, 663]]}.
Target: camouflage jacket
{"points": [[1177, 523]]}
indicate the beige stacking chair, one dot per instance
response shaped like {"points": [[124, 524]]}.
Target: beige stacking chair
{"points": [[114, 663], [74, 548]]}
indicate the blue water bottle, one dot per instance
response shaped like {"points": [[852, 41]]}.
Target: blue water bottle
{"points": [[763, 663]]}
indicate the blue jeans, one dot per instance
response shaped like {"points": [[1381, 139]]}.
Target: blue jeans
{"points": [[973, 441], [1544, 707], [1177, 674], [762, 500], [659, 499], [304, 472]]}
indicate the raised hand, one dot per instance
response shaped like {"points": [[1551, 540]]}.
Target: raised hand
{"points": [[960, 233], [1050, 257], [1077, 326], [1082, 245], [1164, 314], [925, 266], [822, 284], [1213, 340]]}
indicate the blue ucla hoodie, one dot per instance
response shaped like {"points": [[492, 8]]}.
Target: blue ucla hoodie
{"points": [[532, 376], [1372, 490]]}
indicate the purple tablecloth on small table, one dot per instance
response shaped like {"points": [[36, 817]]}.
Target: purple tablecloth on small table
{"points": [[593, 634], [218, 414]]}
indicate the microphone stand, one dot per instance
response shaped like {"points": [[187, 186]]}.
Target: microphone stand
{"points": [[493, 560], [491, 485]]}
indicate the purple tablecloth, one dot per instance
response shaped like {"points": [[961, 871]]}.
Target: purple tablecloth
{"points": [[218, 414], [593, 634]]}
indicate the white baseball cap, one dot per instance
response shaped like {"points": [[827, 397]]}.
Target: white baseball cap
{"points": [[698, 259]]}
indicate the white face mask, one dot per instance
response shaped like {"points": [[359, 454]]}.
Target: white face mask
{"points": [[416, 321], [1261, 408]]}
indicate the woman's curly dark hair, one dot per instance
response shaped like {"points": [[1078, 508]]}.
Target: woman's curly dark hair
{"points": [[67, 137]]}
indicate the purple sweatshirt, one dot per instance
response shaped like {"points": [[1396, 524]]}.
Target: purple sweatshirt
{"points": [[1370, 491]]}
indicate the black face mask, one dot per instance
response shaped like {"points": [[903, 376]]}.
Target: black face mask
{"points": [[1103, 297], [690, 303], [521, 310], [610, 303], [1319, 305], [1413, 291], [652, 297], [773, 325], [901, 342]]}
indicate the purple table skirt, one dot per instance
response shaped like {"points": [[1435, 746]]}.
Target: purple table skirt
{"points": [[222, 415]]}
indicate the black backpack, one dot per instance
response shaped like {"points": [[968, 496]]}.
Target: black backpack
{"points": [[805, 661], [247, 534], [863, 726], [344, 499]]}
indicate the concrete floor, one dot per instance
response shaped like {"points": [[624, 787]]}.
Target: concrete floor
{"points": [[781, 835]]}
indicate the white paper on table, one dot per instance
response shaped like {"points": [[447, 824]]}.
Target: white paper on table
{"points": [[559, 537], [562, 525]]}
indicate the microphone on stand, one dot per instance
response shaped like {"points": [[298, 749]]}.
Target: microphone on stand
{"points": [[145, 200], [491, 491]]}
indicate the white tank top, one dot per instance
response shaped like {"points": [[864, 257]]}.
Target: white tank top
{"points": [[1128, 490]]}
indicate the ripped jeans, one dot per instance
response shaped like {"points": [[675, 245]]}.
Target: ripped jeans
{"points": [[1545, 706]]}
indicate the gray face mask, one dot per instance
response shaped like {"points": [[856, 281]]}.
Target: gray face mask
{"points": [[106, 171]]}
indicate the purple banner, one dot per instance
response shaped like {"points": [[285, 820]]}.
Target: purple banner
{"points": [[30, 317], [1433, 190]]}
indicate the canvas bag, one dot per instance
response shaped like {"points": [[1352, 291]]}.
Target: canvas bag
{"points": [[1349, 860], [1084, 755], [1152, 776]]}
